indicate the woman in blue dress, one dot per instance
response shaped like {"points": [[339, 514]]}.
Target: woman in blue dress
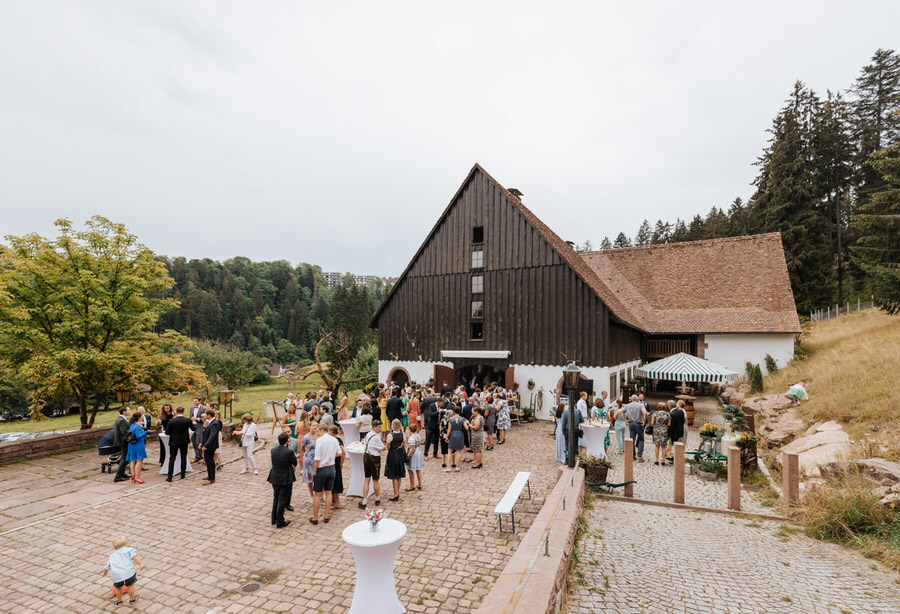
{"points": [[599, 413], [560, 438], [137, 451], [308, 446]]}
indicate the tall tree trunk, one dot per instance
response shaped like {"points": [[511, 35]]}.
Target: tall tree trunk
{"points": [[82, 410]]}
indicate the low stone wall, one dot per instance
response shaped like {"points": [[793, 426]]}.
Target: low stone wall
{"points": [[62, 442], [544, 588]]}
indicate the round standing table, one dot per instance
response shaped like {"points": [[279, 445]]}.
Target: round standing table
{"points": [[594, 436], [374, 553], [164, 469], [357, 475], [351, 431]]}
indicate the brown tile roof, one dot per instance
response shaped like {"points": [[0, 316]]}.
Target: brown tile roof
{"points": [[730, 285], [689, 287]]}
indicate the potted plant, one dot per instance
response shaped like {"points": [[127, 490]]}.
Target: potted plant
{"points": [[596, 469], [527, 414], [707, 470], [530, 384]]}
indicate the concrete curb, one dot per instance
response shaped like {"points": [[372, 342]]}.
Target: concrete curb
{"points": [[693, 508], [534, 579]]}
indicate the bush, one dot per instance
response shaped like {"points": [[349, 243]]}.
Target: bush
{"points": [[756, 379], [771, 365]]}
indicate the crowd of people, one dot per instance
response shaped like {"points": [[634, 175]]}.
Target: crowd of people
{"points": [[666, 425], [458, 427]]}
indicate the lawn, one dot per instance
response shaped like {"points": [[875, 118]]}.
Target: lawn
{"points": [[249, 400], [850, 370]]}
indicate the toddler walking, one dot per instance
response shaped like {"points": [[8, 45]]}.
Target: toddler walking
{"points": [[120, 568]]}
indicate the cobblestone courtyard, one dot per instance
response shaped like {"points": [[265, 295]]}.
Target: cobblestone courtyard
{"points": [[201, 544]]}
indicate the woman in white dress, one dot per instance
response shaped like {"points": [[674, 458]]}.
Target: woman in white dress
{"points": [[560, 438]]}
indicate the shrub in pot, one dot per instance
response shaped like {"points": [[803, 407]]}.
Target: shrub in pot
{"points": [[596, 469]]}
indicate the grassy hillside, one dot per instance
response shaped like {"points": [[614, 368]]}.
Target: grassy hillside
{"points": [[850, 367]]}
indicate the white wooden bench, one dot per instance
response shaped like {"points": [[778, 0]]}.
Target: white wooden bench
{"points": [[508, 502]]}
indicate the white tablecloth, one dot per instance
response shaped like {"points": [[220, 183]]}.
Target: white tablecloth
{"points": [[374, 554], [164, 469], [357, 478], [594, 437], [351, 431]]}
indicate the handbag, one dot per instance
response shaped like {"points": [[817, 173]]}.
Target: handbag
{"points": [[648, 430], [130, 437]]}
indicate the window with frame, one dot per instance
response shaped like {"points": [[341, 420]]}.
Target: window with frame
{"points": [[477, 309], [477, 284], [476, 331], [478, 234], [478, 258]]}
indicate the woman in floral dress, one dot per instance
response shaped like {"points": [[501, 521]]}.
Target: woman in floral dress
{"points": [[660, 422], [503, 421], [308, 446]]}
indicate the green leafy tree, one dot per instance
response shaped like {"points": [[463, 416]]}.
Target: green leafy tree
{"points": [[77, 315], [365, 366], [229, 368], [756, 379], [877, 224]]}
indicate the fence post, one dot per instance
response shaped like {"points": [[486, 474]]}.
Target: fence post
{"points": [[858, 303], [679, 472], [791, 471], [734, 478], [629, 466]]}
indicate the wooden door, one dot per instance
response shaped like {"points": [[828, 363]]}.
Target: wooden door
{"points": [[510, 378], [443, 374]]}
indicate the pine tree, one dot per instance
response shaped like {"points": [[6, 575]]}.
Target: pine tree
{"points": [[877, 125], [679, 231], [621, 241], [787, 201], [605, 244], [738, 219], [662, 233], [644, 234], [877, 223]]}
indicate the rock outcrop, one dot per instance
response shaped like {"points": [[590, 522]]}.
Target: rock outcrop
{"points": [[777, 421], [829, 443]]}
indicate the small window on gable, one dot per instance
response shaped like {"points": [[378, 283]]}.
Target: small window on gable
{"points": [[476, 331], [477, 309], [477, 284], [478, 234], [477, 258]]}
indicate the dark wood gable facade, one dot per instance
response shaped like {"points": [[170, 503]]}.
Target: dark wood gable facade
{"points": [[486, 278]]}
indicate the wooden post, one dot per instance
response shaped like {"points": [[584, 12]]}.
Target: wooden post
{"points": [[629, 466], [858, 304], [791, 471], [679, 472], [734, 478]]}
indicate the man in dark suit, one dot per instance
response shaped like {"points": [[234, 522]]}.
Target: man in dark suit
{"points": [[210, 445], [282, 478], [121, 427], [179, 430], [197, 412]]}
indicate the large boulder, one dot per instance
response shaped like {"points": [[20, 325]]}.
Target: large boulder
{"points": [[726, 394], [768, 405], [744, 388], [737, 398], [881, 470], [822, 447]]}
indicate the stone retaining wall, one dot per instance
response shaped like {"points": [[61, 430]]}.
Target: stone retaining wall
{"points": [[61, 442], [545, 587]]}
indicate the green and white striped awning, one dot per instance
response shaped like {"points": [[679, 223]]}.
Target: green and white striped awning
{"points": [[686, 368]]}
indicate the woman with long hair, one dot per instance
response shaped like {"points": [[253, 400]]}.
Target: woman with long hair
{"points": [[165, 414], [395, 466], [620, 425], [475, 427], [289, 421], [137, 452], [308, 447], [302, 424], [342, 410], [560, 435], [382, 405]]}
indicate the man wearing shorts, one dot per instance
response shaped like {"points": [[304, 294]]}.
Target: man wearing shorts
{"points": [[372, 463], [327, 448]]}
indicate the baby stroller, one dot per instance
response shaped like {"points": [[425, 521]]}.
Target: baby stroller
{"points": [[106, 447]]}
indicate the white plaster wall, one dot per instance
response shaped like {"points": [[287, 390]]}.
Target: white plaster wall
{"points": [[734, 351], [419, 370], [546, 377]]}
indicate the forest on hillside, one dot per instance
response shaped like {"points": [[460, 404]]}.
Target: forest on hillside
{"points": [[273, 310], [829, 182]]}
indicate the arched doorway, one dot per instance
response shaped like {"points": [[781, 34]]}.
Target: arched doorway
{"points": [[399, 376]]}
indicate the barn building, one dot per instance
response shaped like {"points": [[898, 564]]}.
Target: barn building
{"points": [[493, 294]]}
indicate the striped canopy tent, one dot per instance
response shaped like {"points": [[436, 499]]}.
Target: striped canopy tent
{"points": [[686, 368]]}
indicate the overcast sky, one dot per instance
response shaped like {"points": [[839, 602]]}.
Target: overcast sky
{"points": [[336, 132]]}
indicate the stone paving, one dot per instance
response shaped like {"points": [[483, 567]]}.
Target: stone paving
{"points": [[201, 544], [655, 482], [642, 558]]}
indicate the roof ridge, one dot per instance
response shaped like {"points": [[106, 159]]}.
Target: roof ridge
{"points": [[694, 242]]}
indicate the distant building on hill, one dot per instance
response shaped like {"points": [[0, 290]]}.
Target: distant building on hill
{"points": [[363, 280], [333, 279], [494, 295]]}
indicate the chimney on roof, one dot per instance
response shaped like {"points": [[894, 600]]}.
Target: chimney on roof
{"points": [[516, 192]]}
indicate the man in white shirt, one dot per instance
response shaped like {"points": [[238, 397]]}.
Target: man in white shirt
{"points": [[582, 408], [371, 463], [327, 448]]}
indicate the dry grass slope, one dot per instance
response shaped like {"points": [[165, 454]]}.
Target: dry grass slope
{"points": [[851, 371]]}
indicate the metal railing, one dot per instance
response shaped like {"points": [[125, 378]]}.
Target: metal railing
{"points": [[543, 548]]}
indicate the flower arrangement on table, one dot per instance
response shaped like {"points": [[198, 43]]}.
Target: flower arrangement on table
{"points": [[710, 431], [374, 517]]}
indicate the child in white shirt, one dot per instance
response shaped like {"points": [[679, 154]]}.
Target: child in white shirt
{"points": [[120, 568]]}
